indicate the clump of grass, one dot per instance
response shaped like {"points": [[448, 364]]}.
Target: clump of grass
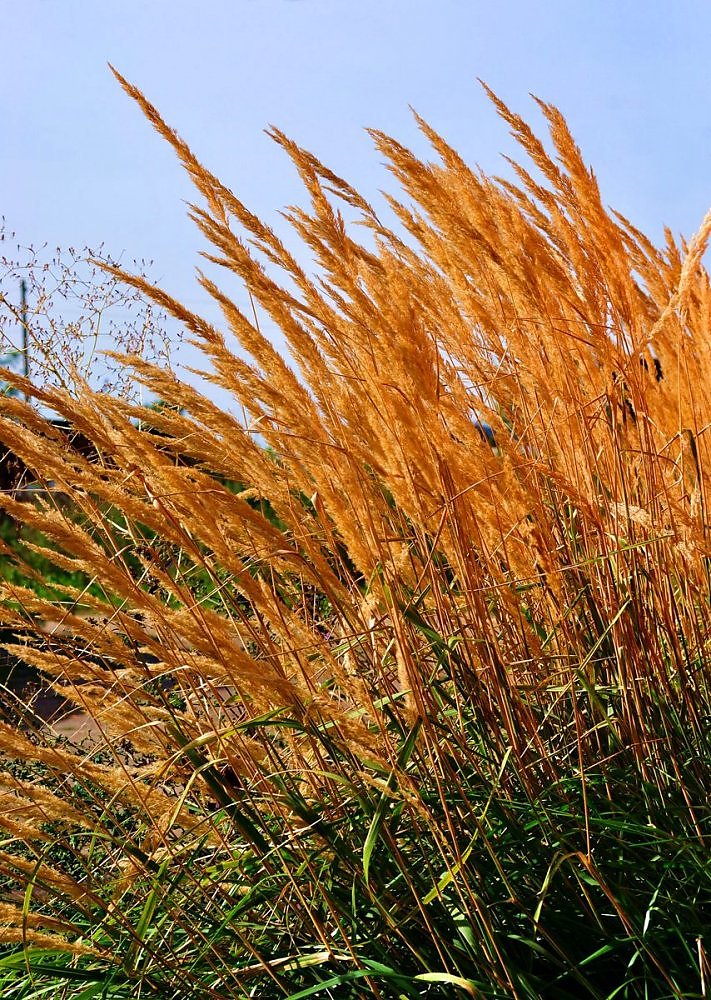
{"points": [[422, 708]]}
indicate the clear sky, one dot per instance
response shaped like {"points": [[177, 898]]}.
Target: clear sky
{"points": [[80, 166]]}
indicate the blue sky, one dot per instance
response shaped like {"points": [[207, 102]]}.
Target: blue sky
{"points": [[80, 166]]}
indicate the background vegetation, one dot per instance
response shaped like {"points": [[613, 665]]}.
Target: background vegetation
{"points": [[421, 709]]}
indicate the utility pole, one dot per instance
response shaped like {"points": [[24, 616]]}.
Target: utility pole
{"points": [[25, 330]]}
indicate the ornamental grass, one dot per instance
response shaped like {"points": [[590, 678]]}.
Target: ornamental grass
{"points": [[401, 681]]}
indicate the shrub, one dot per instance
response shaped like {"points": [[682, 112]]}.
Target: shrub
{"points": [[421, 710]]}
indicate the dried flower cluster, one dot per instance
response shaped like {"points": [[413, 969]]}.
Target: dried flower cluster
{"points": [[72, 310]]}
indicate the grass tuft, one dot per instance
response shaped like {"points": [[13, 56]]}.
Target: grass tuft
{"points": [[401, 684]]}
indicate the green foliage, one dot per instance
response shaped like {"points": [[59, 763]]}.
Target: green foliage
{"points": [[47, 577], [539, 891], [8, 360]]}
